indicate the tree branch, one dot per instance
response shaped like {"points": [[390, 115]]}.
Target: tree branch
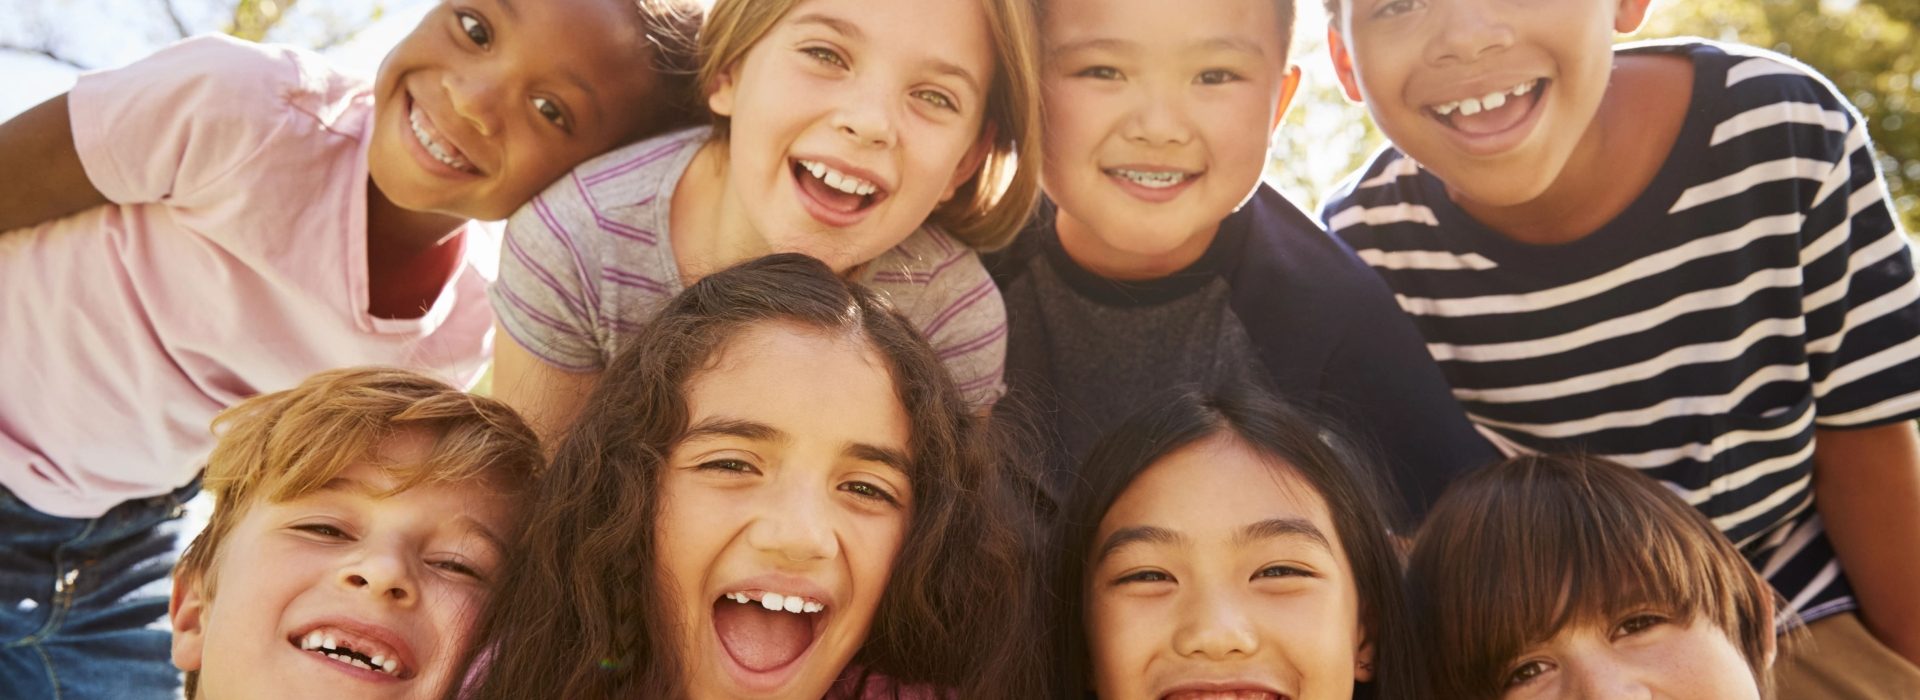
{"points": [[173, 16], [44, 52]]}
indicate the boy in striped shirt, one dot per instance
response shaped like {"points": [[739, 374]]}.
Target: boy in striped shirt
{"points": [[1676, 254]]}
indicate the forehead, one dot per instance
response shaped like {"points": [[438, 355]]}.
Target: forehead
{"points": [[916, 33], [1157, 23], [597, 45], [802, 382], [1211, 490]]}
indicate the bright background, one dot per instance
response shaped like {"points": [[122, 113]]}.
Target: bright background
{"points": [[1865, 46]]}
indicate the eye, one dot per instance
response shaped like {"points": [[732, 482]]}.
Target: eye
{"points": [[1637, 624], [551, 111], [1216, 76], [726, 465], [938, 100], [825, 55], [1525, 673], [1395, 8], [475, 29], [323, 530], [1146, 576], [869, 492], [1283, 571], [1098, 73], [457, 567]]}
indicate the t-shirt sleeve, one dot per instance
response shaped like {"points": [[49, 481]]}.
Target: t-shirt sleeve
{"points": [[546, 297], [170, 126], [954, 303], [1861, 299]]}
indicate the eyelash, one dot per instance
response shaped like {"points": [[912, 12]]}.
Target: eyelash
{"points": [[1283, 571], [825, 56], [1393, 9], [1217, 76], [477, 31], [1149, 576], [322, 530], [1098, 73], [869, 491]]}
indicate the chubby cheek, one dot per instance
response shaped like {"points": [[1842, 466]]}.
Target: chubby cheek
{"points": [[1120, 642]]}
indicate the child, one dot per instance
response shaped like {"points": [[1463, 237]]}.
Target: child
{"points": [[1568, 576], [1162, 260], [1228, 545], [246, 216], [877, 136], [1678, 255], [357, 521], [777, 485]]}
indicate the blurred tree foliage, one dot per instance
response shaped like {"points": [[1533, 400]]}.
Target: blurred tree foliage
{"points": [[1866, 47]]}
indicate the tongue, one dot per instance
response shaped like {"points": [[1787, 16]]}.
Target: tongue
{"points": [[758, 638], [832, 198], [1494, 121]]}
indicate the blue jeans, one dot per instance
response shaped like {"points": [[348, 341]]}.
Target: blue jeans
{"points": [[83, 602]]}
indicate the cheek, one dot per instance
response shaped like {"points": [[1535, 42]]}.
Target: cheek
{"points": [[1120, 638], [872, 549]]}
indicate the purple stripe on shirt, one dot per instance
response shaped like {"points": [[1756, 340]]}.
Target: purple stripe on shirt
{"points": [[545, 277], [985, 380], [998, 332], [635, 162], [534, 313], [629, 279], [920, 277], [566, 239], [979, 291], [625, 231]]}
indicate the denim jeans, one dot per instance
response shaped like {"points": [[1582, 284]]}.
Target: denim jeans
{"points": [[83, 602]]}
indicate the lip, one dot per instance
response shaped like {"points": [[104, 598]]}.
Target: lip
{"points": [[410, 668], [404, 131], [819, 210], [773, 680], [1200, 688], [1151, 195], [1484, 145]]}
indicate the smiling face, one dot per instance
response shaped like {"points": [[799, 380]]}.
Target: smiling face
{"points": [[1493, 96], [1218, 574], [1640, 654], [1156, 122], [782, 511], [345, 592], [488, 101], [850, 121]]}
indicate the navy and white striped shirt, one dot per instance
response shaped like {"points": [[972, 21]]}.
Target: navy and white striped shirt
{"points": [[1757, 290]]}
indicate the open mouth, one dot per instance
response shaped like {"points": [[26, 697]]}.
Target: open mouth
{"points": [[766, 631], [436, 143], [354, 650], [838, 197], [1152, 179], [1493, 112]]}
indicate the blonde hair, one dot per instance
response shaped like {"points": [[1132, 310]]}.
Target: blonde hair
{"points": [[989, 208], [287, 444]]}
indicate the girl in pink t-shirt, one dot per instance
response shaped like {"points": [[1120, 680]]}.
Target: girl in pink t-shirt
{"points": [[225, 218]]}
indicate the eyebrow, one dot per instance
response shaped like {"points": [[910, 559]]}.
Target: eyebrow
{"points": [[1288, 528], [1138, 534], [852, 31], [507, 5], [761, 432]]}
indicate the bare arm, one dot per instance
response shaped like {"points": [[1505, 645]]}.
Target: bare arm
{"points": [[1866, 485], [548, 397], [46, 180]]}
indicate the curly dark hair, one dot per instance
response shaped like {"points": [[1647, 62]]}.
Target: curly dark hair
{"points": [[579, 613]]}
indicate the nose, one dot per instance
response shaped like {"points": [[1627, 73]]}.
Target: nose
{"points": [[384, 573], [1159, 119], [1467, 31], [476, 96], [796, 526], [866, 118], [1213, 625]]}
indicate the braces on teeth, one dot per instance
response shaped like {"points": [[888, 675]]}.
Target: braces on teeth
{"points": [[1493, 100], [329, 646], [777, 602], [1151, 179], [839, 180]]}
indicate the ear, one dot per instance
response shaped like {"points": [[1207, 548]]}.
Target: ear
{"points": [[1629, 15], [186, 611], [720, 100], [1289, 84], [1363, 657], [971, 162], [1343, 62]]}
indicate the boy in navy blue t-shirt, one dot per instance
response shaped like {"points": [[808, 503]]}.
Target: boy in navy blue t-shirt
{"points": [[1679, 255], [1159, 261]]}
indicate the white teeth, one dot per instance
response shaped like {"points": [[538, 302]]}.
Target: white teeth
{"points": [[772, 601], [329, 642], [1151, 179], [1522, 88], [391, 666], [312, 640], [379, 661], [1493, 100], [812, 607], [439, 152], [777, 602], [839, 180], [795, 605], [329, 646], [1469, 107]]}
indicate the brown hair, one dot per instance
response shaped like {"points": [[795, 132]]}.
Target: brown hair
{"points": [[584, 583], [1518, 550], [672, 29], [990, 207], [287, 444]]}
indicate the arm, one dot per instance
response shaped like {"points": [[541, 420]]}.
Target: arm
{"points": [[548, 397], [1866, 484], [40, 142]]}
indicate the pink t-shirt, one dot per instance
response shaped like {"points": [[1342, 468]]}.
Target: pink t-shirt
{"points": [[233, 262]]}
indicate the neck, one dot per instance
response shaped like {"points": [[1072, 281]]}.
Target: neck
{"points": [[410, 256], [708, 225], [1088, 250]]}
